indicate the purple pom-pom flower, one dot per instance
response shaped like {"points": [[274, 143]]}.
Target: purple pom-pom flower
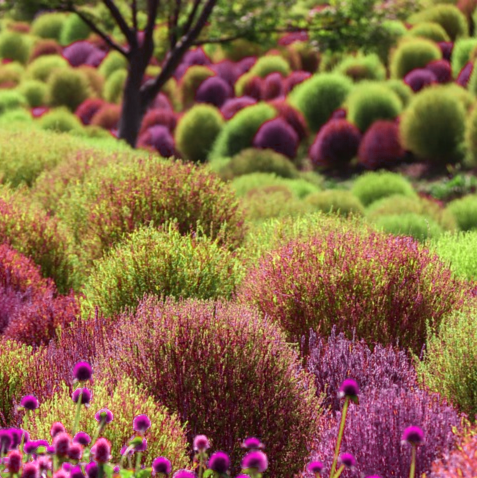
{"points": [[315, 467], [162, 465], [347, 460], [219, 462], [5, 440], [75, 452], [91, 470], [184, 474], [104, 416], [76, 472], [252, 443], [101, 450], [85, 394], [82, 438], [61, 442], [14, 461], [413, 435], [30, 470], [141, 423], [201, 443], [56, 428], [256, 460], [349, 388], [82, 372], [29, 402]]}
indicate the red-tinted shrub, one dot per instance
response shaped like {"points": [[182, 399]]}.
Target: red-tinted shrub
{"points": [[380, 146], [213, 90], [272, 86], [295, 78], [77, 53], [446, 49], [292, 116], [45, 47], [158, 138], [95, 58], [464, 76], [227, 70], [387, 288], [107, 117], [245, 64], [292, 37], [88, 109], [419, 78], [234, 105], [226, 371], [335, 145], [278, 135], [460, 463], [161, 102], [441, 69], [159, 117], [253, 88]]}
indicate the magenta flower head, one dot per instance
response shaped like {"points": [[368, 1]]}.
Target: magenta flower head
{"points": [[252, 443], [42, 443], [82, 438], [82, 372], [413, 435], [315, 467], [30, 470], [6, 440], [75, 452], [30, 447], [101, 450], [91, 470], [76, 472], [256, 460], [125, 449], [140, 445], [50, 450], [61, 474], [85, 396], [14, 461], [184, 474], [104, 416], [29, 402], [162, 465], [348, 460], [56, 428], [61, 442], [44, 463], [116, 469], [141, 423], [219, 462], [349, 388], [201, 443], [16, 434], [67, 466]]}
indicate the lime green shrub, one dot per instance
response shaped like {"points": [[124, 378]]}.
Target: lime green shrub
{"points": [[362, 67], [11, 73], [372, 186], [319, 96], [238, 133], [270, 64], [458, 250], [35, 92], [430, 30], [404, 91], [162, 263], [15, 116], [409, 224], [461, 54], [44, 66], [252, 160], [448, 16], [335, 201], [465, 212], [114, 86], [48, 25], [471, 139], [68, 88], [126, 400], [14, 46], [412, 53], [114, 61], [60, 120], [11, 100], [433, 126], [73, 29], [197, 130], [370, 102]]}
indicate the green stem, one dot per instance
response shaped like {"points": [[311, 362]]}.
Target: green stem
{"points": [[340, 437], [77, 414], [138, 461], [98, 431], [201, 458], [412, 470], [100, 470], [338, 473]]}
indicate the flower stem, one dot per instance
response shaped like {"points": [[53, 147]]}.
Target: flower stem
{"points": [[338, 473], [201, 458], [412, 470], [138, 461], [100, 470], [340, 437], [77, 414]]}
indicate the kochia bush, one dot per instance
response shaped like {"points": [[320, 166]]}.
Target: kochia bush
{"points": [[14, 46], [68, 88]]}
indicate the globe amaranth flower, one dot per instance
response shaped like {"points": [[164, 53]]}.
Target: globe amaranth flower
{"points": [[82, 372], [184, 474], [127, 450], [30, 447], [30, 470], [349, 388], [201, 443], [104, 416], [85, 394], [348, 460], [139, 445], [101, 450], [42, 443], [413, 435], [61, 442], [16, 434], [44, 463], [91, 470], [116, 469], [315, 467], [256, 460], [14, 461], [75, 452], [76, 472], [56, 428], [141, 423], [219, 462], [5, 440], [61, 474], [29, 402], [162, 465], [82, 438], [252, 443], [67, 466]]}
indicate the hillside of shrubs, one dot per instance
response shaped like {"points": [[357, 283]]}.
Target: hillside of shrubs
{"points": [[280, 280]]}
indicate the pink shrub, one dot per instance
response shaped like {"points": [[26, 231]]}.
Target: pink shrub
{"points": [[292, 116], [158, 138], [419, 78], [464, 75], [162, 102], [295, 78], [278, 135], [95, 58], [446, 49], [107, 117], [158, 117], [227, 70], [253, 88], [213, 90], [45, 47], [272, 86], [88, 109], [77, 53], [441, 69], [245, 64], [234, 105]]}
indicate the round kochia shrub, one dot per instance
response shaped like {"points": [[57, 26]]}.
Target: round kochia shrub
{"points": [[471, 138], [125, 400], [418, 226], [420, 78], [319, 96], [192, 354], [465, 212], [335, 201], [441, 69], [35, 92], [268, 64], [14, 46], [430, 30], [113, 62], [372, 102], [239, 132], [114, 86], [278, 135], [44, 66], [411, 54], [124, 195], [433, 126], [213, 90], [197, 131], [73, 29], [162, 263], [370, 187], [60, 120], [45, 47], [68, 88], [194, 76], [360, 68], [385, 287], [461, 54], [48, 25]]}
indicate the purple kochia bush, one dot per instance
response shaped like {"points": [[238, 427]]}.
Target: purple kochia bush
{"points": [[278, 135]]}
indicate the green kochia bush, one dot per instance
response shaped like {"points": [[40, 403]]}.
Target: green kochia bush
{"points": [[385, 287], [48, 25], [225, 370], [433, 126], [471, 139], [68, 88], [362, 67], [14, 46], [319, 96], [60, 120], [162, 263], [461, 54], [430, 30], [73, 29], [114, 86], [371, 102], [238, 133], [11, 100], [409, 224], [335, 201], [44, 66], [114, 61], [401, 89], [35, 92], [197, 131], [465, 212], [372, 186], [413, 53], [126, 400], [270, 64]]}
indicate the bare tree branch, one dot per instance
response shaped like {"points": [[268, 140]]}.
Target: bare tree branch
{"points": [[191, 17], [174, 24], [148, 44], [134, 14], [119, 19]]}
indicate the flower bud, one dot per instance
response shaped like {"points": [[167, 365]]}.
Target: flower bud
{"points": [[413, 435], [82, 372], [219, 462], [162, 465]]}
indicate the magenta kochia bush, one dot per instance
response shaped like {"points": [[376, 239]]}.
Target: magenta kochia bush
{"points": [[226, 371], [278, 135], [419, 78], [387, 288], [375, 427], [337, 358], [213, 90]]}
